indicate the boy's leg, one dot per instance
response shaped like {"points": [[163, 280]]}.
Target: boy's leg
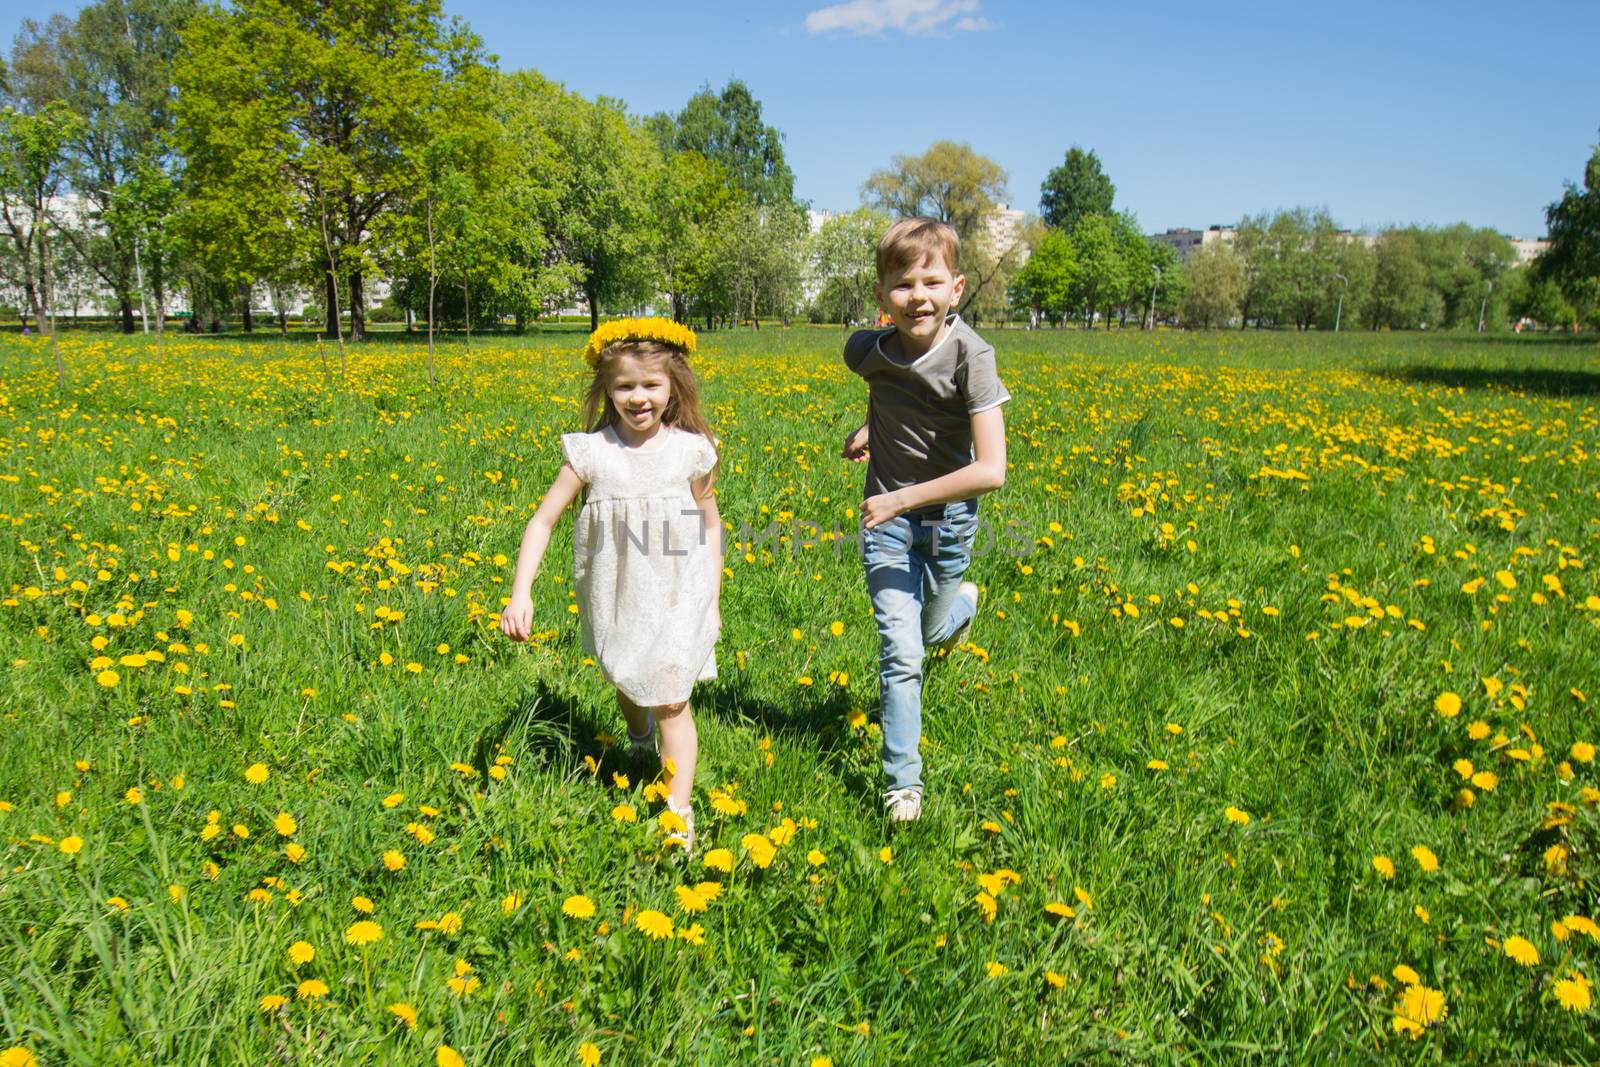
{"points": [[895, 582], [945, 611]]}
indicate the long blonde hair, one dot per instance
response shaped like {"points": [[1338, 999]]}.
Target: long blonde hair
{"points": [[683, 405]]}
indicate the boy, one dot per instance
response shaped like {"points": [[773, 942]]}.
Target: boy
{"points": [[937, 440]]}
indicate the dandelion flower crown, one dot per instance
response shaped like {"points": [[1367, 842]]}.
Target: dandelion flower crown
{"points": [[663, 331]]}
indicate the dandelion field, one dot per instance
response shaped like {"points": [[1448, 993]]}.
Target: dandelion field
{"points": [[1277, 745]]}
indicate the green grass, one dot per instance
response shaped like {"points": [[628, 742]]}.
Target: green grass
{"points": [[1160, 479]]}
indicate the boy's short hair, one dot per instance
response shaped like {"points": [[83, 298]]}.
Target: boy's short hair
{"points": [[910, 242]]}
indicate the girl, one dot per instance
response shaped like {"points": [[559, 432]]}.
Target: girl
{"points": [[647, 546]]}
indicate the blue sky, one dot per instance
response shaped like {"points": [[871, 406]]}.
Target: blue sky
{"points": [[1391, 112]]}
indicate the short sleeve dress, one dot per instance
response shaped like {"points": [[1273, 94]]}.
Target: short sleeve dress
{"points": [[643, 567]]}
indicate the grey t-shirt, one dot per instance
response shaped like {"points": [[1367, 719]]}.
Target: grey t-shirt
{"points": [[919, 412]]}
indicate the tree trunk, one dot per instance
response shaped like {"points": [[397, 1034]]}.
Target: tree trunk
{"points": [[125, 309], [245, 318], [466, 297], [594, 309], [330, 304], [358, 308]]}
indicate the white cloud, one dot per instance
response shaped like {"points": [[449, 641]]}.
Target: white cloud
{"points": [[921, 18]]}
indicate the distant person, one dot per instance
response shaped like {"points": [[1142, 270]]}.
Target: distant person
{"points": [[647, 544], [934, 441]]}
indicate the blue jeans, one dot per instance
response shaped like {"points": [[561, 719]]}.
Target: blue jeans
{"points": [[914, 568]]}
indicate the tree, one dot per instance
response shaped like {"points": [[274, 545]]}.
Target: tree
{"points": [[841, 260], [113, 66], [952, 183], [1171, 281], [692, 202], [1216, 286], [949, 182], [756, 259], [599, 171], [1076, 188], [1044, 282], [1133, 252], [1573, 258], [32, 160], [308, 113], [1400, 281], [727, 129], [1101, 280]]}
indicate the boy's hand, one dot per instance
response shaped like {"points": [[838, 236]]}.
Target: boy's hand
{"points": [[877, 510], [516, 621], [855, 445]]}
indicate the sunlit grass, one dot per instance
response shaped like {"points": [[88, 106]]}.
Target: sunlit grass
{"points": [[1184, 784]]}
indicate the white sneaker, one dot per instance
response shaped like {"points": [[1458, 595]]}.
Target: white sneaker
{"points": [[684, 837], [967, 591], [903, 805]]}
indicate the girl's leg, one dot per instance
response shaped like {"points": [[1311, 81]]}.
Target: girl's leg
{"points": [[680, 743], [638, 718]]}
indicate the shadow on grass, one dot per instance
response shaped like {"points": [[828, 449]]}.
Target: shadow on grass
{"points": [[1548, 381], [556, 730]]}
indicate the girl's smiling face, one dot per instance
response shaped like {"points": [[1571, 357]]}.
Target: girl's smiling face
{"points": [[639, 391]]}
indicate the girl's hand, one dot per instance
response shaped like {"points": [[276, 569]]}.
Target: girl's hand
{"points": [[516, 621], [855, 445]]}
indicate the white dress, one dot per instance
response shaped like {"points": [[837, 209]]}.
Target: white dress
{"points": [[642, 563]]}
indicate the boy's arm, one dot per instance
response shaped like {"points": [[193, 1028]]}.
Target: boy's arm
{"points": [[986, 472], [855, 445], [516, 621]]}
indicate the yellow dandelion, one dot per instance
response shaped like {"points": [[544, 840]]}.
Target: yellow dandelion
{"points": [[1056, 981], [364, 932], [362, 904], [284, 824], [1447, 704], [1405, 975], [1236, 815], [394, 860], [301, 953], [72, 844], [311, 989], [994, 968], [256, 773], [445, 1056], [588, 1054], [1522, 951], [405, 1013], [1384, 866], [272, 1002], [1425, 858], [690, 901], [1574, 992], [653, 924], [577, 906]]}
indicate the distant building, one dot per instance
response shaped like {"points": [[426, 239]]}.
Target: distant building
{"points": [[1528, 250], [1186, 242], [818, 218], [1003, 231]]}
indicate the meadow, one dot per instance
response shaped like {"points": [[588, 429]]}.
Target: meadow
{"points": [[1275, 744]]}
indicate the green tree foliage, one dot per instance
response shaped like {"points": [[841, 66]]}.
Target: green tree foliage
{"points": [[1101, 282], [301, 119], [1133, 255], [1573, 258], [112, 65], [1216, 281], [841, 262], [1078, 187], [33, 151], [599, 170], [692, 202], [1171, 282], [1043, 285], [727, 129], [949, 182], [1440, 277], [755, 259]]}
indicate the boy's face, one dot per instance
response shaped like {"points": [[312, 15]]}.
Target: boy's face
{"points": [[918, 298]]}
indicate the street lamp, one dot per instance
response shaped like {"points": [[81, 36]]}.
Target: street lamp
{"points": [[1153, 282], [1339, 312], [1483, 306]]}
